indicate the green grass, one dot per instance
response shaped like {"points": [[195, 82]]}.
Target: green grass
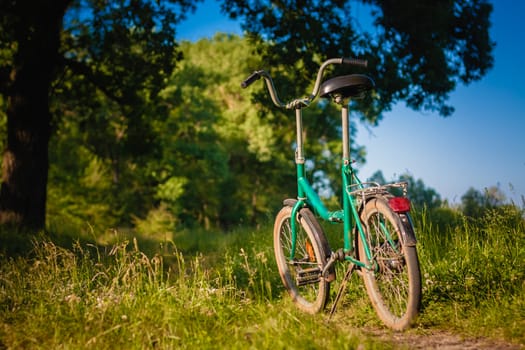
{"points": [[203, 290], [475, 275]]}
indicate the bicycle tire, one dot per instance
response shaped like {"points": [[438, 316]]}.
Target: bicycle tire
{"points": [[394, 283], [311, 254]]}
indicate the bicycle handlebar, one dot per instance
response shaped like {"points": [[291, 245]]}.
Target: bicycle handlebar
{"points": [[355, 62], [298, 103], [251, 79]]}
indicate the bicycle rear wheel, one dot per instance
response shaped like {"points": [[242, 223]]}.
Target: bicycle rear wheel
{"points": [[394, 282], [301, 274]]}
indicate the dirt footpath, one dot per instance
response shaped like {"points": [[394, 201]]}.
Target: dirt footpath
{"points": [[439, 340]]}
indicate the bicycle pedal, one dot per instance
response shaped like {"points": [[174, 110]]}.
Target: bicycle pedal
{"points": [[308, 276]]}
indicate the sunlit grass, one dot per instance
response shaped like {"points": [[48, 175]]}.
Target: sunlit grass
{"points": [[202, 289], [474, 275], [88, 297]]}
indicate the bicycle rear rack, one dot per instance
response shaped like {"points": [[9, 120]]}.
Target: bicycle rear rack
{"points": [[368, 189]]}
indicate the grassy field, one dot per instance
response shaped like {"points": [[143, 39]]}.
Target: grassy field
{"points": [[203, 290]]}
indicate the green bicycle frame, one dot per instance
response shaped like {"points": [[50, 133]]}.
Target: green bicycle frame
{"points": [[306, 195]]}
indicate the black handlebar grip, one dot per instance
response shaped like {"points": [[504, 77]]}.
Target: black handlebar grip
{"points": [[355, 62], [248, 81]]}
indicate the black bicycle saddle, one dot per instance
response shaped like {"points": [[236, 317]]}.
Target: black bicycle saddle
{"points": [[345, 86]]}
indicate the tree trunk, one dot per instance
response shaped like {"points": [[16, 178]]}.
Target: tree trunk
{"points": [[25, 159]]}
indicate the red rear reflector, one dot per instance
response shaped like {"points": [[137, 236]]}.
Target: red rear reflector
{"points": [[399, 204]]}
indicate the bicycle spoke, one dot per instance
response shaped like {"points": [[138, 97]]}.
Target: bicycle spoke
{"points": [[389, 283], [300, 270], [391, 278]]}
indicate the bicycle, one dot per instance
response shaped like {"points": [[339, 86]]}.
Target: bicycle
{"points": [[378, 235]]}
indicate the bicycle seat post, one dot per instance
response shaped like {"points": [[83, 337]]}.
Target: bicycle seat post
{"points": [[346, 133], [299, 151], [347, 207]]}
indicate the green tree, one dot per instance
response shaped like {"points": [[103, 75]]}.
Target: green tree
{"points": [[104, 62], [475, 203], [218, 159], [229, 150], [241, 150], [418, 51], [115, 48]]}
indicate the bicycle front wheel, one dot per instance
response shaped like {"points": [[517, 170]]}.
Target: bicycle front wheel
{"points": [[393, 282], [301, 270]]}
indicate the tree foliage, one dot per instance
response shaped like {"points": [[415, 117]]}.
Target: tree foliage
{"points": [[220, 157], [417, 50], [475, 203], [119, 50], [129, 135]]}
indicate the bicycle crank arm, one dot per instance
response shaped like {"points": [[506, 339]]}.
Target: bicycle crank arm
{"points": [[335, 256]]}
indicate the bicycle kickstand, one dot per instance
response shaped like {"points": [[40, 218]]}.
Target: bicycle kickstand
{"points": [[342, 287]]}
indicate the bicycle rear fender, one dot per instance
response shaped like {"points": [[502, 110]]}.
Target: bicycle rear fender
{"points": [[408, 236]]}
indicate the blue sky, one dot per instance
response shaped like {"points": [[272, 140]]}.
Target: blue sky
{"points": [[481, 145]]}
